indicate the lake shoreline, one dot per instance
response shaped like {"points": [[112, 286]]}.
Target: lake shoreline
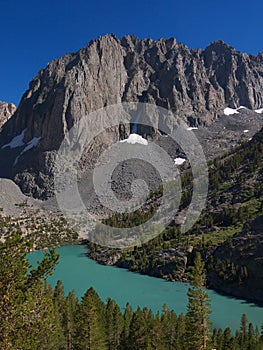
{"points": [[221, 292], [112, 263], [79, 273]]}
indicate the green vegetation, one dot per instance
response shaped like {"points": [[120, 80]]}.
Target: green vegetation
{"points": [[27, 314], [35, 317], [43, 231], [197, 321]]}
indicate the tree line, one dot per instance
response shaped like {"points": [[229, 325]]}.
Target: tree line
{"points": [[35, 316]]}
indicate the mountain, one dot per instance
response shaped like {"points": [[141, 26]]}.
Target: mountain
{"points": [[196, 85], [6, 111], [217, 91]]}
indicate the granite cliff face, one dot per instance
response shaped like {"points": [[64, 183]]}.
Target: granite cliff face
{"points": [[6, 111], [195, 84]]}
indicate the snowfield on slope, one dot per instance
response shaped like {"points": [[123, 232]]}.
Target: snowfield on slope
{"points": [[231, 111], [179, 161], [17, 141], [135, 138]]}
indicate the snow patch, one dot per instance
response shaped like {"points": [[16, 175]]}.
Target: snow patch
{"points": [[32, 143], [135, 138], [192, 128], [230, 111], [16, 160], [17, 141], [179, 161], [259, 111]]}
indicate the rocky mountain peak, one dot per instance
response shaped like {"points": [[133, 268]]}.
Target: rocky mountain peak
{"points": [[6, 111], [196, 85], [220, 46]]}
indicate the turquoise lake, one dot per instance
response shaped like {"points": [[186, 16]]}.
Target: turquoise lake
{"points": [[79, 273]]}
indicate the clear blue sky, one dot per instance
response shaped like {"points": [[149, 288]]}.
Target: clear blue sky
{"points": [[35, 32]]}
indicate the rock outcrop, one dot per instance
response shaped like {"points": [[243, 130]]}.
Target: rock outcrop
{"points": [[195, 84], [241, 262], [6, 111]]}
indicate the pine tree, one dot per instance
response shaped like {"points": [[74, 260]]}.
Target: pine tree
{"points": [[218, 340], [198, 309], [59, 305], [26, 308], [180, 330], [251, 340], [127, 318], [156, 334], [169, 327], [90, 323], [244, 325], [114, 325], [138, 335], [70, 312], [52, 337], [152, 334], [227, 339], [246, 335]]}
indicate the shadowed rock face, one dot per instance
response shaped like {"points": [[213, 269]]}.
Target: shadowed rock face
{"points": [[245, 249], [6, 111], [195, 84]]}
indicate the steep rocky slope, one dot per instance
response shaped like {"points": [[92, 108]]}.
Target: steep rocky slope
{"points": [[195, 84], [229, 234], [239, 263], [6, 111]]}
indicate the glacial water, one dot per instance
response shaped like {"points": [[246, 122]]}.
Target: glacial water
{"points": [[79, 273]]}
